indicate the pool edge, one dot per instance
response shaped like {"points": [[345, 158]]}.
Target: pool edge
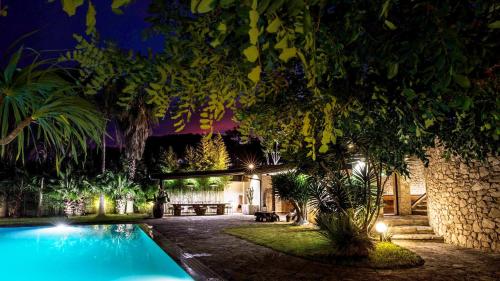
{"points": [[191, 265]]}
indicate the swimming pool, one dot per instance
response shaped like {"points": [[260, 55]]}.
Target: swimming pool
{"points": [[120, 252]]}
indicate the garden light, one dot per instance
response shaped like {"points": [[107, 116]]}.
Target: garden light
{"points": [[381, 228]]}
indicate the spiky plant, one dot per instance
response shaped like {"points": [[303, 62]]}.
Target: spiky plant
{"points": [[37, 103], [345, 234]]}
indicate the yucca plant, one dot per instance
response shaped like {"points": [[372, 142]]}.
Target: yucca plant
{"points": [[345, 233], [37, 103]]}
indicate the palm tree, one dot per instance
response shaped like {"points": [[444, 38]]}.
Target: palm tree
{"points": [[36, 102]]}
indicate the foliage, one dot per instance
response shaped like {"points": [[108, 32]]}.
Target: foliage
{"points": [[120, 186], [71, 7], [362, 66], [293, 187], [307, 242], [345, 234], [354, 191], [168, 161], [36, 102], [249, 194], [125, 78]]}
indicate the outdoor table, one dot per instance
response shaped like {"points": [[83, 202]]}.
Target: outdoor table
{"points": [[199, 208]]}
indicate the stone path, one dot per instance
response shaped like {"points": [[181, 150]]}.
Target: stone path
{"points": [[237, 259]]}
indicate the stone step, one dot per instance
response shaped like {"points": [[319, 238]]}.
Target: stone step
{"points": [[411, 229], [419, 236], [407, 220], [419, 212]]}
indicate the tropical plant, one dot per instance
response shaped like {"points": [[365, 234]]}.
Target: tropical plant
{"points": [[121, 189], [36, 102], [348, 239], [70, 190], [293, 186]]}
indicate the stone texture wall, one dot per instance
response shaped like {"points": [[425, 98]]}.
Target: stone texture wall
{"points": [[417, 176], [464, 201]]}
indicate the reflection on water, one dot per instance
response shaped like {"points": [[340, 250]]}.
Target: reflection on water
{"points": [[97, 252]]}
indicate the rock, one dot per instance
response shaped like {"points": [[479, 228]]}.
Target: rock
{"points": [[488, 223], [494, 213], [476, 227]]}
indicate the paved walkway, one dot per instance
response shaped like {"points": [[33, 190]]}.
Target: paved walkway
{"points": [[237, 259]]}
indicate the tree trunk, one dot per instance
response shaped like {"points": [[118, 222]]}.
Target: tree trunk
{"points": [[18, 129], [101, 212], [103, 164], [40, 198]]}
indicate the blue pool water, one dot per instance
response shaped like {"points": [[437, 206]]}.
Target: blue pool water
{"points": [[77, 253]]}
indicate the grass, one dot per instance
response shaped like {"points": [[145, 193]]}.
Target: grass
{"points": [[307, 242], [90, 219]]}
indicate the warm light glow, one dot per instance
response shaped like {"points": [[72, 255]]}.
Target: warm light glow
{"points": [[251, 166], [381, 227], [360, 165]]}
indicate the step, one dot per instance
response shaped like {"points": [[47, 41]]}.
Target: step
{"points": [[411, 229], [419, 236], [406, 220], [419, 212]]}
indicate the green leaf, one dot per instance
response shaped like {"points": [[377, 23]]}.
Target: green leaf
{"points": [[428, 123], [274, 25], [494, 25], [323, 148], [254, 75], [194, 4], [206, 6], [288, 53], [390, 25], [11, 67], [253, 33], [70, 6], [251, 53], [393, 70], [282, 44], [461, 80], [222, 28], [254, 18], [90, 19], [117, 4]]}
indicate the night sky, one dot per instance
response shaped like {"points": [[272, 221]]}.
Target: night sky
{"points": [[55, 30]]}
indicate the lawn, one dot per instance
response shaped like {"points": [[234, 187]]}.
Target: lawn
{"points": [[308, 243], [90, 219]]}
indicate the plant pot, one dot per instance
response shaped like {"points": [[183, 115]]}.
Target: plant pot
{"points": [[158, 209], [121, 204], [200, 210], [249, 209], [129, 206]]}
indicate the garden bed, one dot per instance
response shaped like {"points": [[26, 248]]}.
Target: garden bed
{"points": [[307, 242]]}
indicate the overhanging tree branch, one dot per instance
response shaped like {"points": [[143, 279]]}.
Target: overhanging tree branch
{"points": [[12, 135]]}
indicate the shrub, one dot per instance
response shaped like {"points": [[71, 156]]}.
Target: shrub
{"points": [[345, 235]]}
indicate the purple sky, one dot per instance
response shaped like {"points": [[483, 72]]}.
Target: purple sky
{"points": [[56, 29]]}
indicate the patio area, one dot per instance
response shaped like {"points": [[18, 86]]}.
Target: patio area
{"points": [[236, 259]]}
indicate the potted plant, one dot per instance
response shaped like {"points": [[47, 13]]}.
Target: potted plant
{"points": [[249, 209], [121, 189]]}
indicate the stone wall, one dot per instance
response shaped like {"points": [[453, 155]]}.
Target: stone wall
{"points": [[463, 201], [417, 176]]}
